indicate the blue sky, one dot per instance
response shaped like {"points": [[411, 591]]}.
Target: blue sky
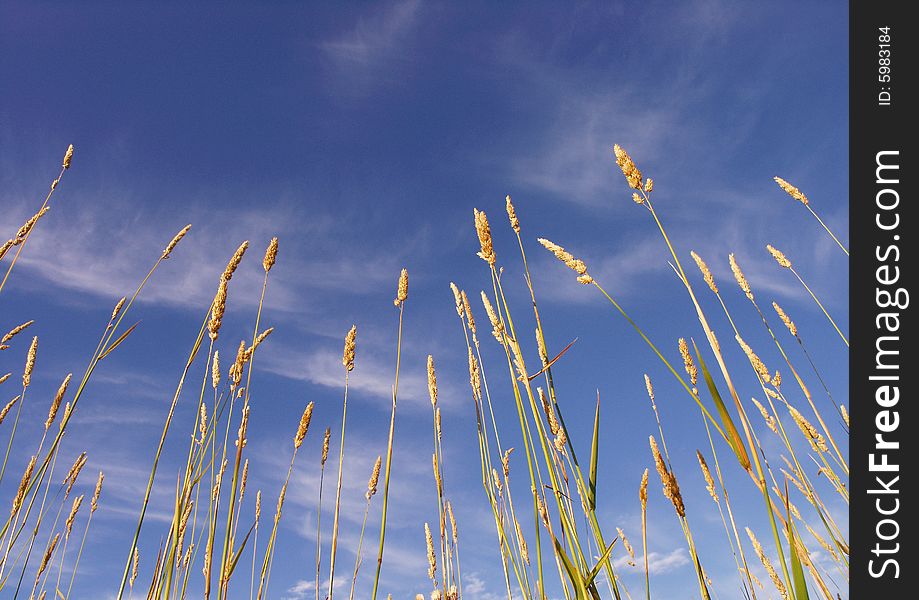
{"points": [[363, 135]]}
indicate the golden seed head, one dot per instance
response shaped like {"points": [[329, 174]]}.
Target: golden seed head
{"points": [[56, 403], [3, 378], [560, 440], [755, 360], [739, 276], [522, 543], [627, 545], [779, 256], [792, 328], [23, 485], [570, 261], [6, 409], [512, 215], [453, 529], [241, 438], [258, 505], [496, 479], [304, 425], [487, 252], [20, 236], [707, 475], [402, 288], [74, 472], [134, 564], [783, 592], [236, 369], [649, 185], [30, 363], [68, 157], [770, 421], [258, 341], [706, 272], [638, 198], [68, 524], [650, 388], [271, 255], [474, 379], [550, 413], [118, 307], [218, 307], [670, 486], [791, 190], [15, 331], [435, 465], [235, 260], [47, 557], [643, 490], [432, 381], [215, 371], [374, 479], [325, 445], [457, 299], [631, 172], [688, 363], [506, 462], [348, 357], [541, 346], [432, 558], [175, 241], [842, 410], [496, 324], [467, 308], [810, 432]]}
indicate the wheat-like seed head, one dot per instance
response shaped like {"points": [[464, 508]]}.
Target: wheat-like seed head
{"points": [[277, 509], [15, 331], [670, 486], [325, 445], [68, 524], [779, 256], [842, 411], [401, 288], [740, 277], [707, 475], [512, 214], [522, 543], [453, 529], [56, 403], [118, 307], [23, 485], [649, 185], [643, 490], [304, 425], [758, 365], [627, 545], [74, 472], [30, 363], [432, 382], [475, 380], [235, 260], [706, 272], [271, 255], [134, 565], [432, 558], [348, 357], [258, 505], [243, 481], [688, 362], [767, 564], [792, 328], [435, 465], [218, 307], [94, 502], [496, 479], [3, 378], [487, 252], [575, 264], [791, 190], [496, 324], [560, 440], [236, 369], [374, 479], [258, 342], [770, 421], [506, 462], [457, 299], [68, 157], [631, 172], [241, 439], [23, 232], [175, 242], [550, 413], [810, 432], [46, 558], [467, 309]]}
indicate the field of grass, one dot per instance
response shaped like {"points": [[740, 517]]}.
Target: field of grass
{"points": [[551, 539]]}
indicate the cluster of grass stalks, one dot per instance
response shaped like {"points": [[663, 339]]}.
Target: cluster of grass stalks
{"points": [[542, 494]]}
